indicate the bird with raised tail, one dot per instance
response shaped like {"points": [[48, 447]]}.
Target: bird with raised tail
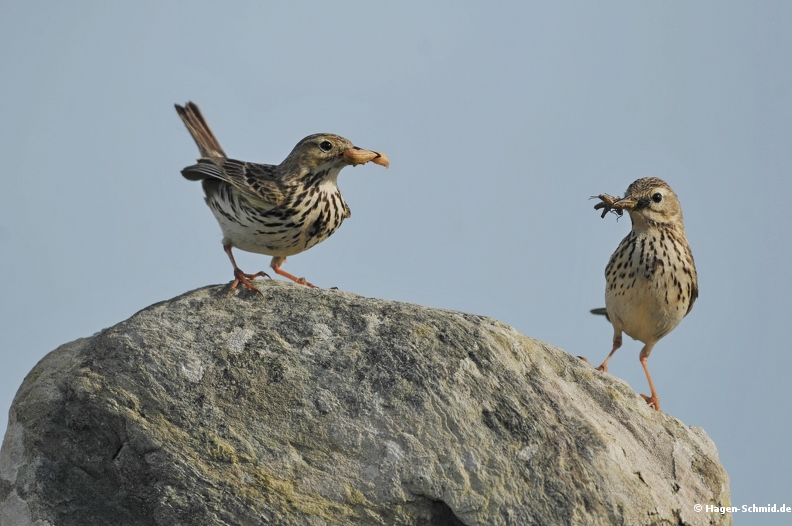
{"points": [[276, 210], [651, 277]]}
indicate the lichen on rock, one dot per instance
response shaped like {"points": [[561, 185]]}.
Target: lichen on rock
{"points": [[323, 407]]}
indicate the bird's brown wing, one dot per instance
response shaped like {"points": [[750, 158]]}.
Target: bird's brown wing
{"points": [[257, 181], [693, 296], [693, 292]]}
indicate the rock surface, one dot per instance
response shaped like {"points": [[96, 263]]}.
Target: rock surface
{"points": [[322, 407]]}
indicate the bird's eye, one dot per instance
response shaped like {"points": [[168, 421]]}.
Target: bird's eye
{"points": [[326, 146], [657, 197]]}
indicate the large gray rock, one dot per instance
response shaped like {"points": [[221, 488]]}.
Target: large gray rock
{"points": [[323, 407]]}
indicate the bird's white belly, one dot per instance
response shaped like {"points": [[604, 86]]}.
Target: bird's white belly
{"points": [[257, 227], [642, 311]]}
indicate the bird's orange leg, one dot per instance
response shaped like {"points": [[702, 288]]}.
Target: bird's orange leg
{"points": [[276, 263], [241, 277], [654, 400], [617, 342], [301, 281]]}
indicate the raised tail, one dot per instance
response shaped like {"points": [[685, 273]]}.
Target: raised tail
{"points": [[200, 131]]}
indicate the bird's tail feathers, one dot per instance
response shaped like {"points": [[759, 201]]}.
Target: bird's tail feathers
{"points": [[199, 129], [602, 311]]}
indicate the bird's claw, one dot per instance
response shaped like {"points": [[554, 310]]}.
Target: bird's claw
{"points": [[652, 401], [303, 281], [244, 279]]}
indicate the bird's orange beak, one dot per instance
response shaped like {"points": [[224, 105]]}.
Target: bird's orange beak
{"points": [[356, 156]]}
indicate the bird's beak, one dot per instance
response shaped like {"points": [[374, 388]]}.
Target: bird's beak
{"points": [[625, 204], [356, 156]]}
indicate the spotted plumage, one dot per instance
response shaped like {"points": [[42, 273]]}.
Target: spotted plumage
{"points": [[277, 210], [651, 280]]}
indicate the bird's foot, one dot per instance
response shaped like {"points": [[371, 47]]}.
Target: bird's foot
{"points": [[584, 359], [603, 368], [652, 401], [244, 279], [301, 281]]}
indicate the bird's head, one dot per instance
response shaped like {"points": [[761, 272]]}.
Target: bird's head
{"points": [[650, 201], [328, 152]]}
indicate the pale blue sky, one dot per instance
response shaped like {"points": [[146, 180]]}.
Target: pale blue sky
{"points": [[500, 121]]}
